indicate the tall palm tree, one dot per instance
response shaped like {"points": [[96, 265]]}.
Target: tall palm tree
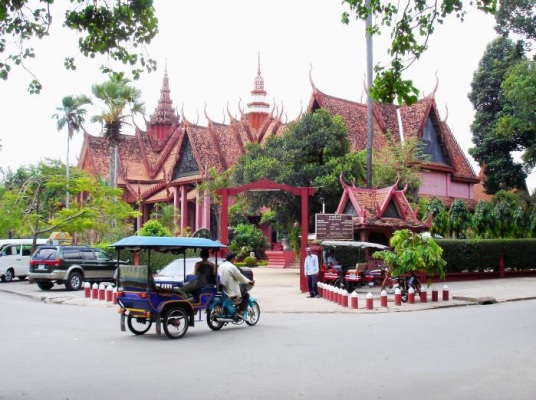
{"points": [[70, 114], [116, 94]]}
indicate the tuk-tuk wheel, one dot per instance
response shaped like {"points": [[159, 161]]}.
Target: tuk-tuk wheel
{"points": [[175, 323], [138, 325]]}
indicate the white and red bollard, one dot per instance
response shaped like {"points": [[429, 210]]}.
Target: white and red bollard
{"points": [[87, 290], [339, 296], [383, 299], [369, 301], [102, 291], [320, 287], [445, 293], [353, 300], [411, 296], [114, 296], [344, 301], [435, 295], [398, 297], [109, 293], [423, 295], [95, 291]]}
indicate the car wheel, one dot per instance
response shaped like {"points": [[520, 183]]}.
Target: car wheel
{"points": [[8, 277], [45, 285], [74, 282]]}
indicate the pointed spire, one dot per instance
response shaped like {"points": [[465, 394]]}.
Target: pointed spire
{"points": [[258, 108], [164, 114], [258, 103]]}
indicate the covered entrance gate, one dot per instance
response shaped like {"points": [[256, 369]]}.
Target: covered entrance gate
{"points": [[268, 185]]}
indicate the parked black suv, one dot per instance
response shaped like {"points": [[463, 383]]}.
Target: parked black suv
{"points": [[70, 265]]}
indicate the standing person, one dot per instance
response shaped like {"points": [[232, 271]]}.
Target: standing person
{"points": [[231, 278], [310, 267]]}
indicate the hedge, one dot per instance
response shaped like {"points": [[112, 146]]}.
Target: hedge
{"points": [[479, 255]]}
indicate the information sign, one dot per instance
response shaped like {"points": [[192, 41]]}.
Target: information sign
{"points": [[334, 227]]}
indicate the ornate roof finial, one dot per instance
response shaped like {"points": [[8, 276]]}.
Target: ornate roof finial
{"points": [[164, 114], [258, 103], [311, 78]]}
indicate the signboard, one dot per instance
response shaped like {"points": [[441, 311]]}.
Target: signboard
{"points": [[334, 227]]}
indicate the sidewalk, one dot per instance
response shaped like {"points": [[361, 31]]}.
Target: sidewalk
{"points": [[278, 291]]}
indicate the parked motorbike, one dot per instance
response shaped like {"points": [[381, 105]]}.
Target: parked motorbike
{"points": [[404, 283], [222, 311]]}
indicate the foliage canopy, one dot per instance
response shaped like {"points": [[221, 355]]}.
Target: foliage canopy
{"points": [[119, 30], [411, 23]]}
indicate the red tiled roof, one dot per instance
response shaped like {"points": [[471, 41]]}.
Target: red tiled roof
{"points": [[371, 205], [151, 156]]}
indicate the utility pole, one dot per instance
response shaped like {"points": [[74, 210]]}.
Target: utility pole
{"points": [[369, 99]]}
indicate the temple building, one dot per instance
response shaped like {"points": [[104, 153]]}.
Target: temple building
{"points": [[167, 160]]}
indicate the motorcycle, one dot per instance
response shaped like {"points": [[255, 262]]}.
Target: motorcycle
{"points": [[404, 283], [223, 311]]}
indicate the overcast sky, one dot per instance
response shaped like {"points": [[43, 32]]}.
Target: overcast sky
{"points": [[211, 52]]}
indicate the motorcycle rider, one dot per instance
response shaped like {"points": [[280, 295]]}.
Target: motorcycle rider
{"points": [[231, 278]]}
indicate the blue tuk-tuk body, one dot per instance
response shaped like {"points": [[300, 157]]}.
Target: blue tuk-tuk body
{"points": [[143, 302]]}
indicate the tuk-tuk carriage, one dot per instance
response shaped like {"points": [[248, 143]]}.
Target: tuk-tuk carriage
{"points": [[142, 302], [351, 266]]}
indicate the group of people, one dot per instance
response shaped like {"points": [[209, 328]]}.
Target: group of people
{"points": [[229, 276]]}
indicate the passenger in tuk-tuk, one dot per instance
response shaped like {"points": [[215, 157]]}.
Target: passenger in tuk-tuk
{"points": [[205, 272], [331, 262]]}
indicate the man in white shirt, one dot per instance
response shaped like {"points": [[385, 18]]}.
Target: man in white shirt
{"points": [[231, 278], [311, 269]]}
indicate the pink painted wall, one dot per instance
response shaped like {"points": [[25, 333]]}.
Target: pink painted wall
{"points": [[433, 183], [439, 184]]}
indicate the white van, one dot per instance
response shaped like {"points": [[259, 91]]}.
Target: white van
{"points": [[15, 257]]}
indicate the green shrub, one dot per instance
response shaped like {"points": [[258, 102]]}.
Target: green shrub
{"points": [[483, 254], [250, 261]]}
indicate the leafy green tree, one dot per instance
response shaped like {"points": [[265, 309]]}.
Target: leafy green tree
{"points": [[506, 212], [460, 219], [70, 115], [440, 218], [399, 161], [411, 23], [117, 95], [119, 30], [154, 228], [484, 220], [519, 126], [492, 149], [32, 201], [518, 17], [168, 216], [411, 252], [313, 151], [249, 237]]}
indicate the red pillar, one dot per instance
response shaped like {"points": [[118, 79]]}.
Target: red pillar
{"points": [[224, 237], [304, 234], [184, 208]]}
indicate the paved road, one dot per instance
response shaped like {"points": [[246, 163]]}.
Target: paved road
{"points": [[60, 352], [277, 291]]}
